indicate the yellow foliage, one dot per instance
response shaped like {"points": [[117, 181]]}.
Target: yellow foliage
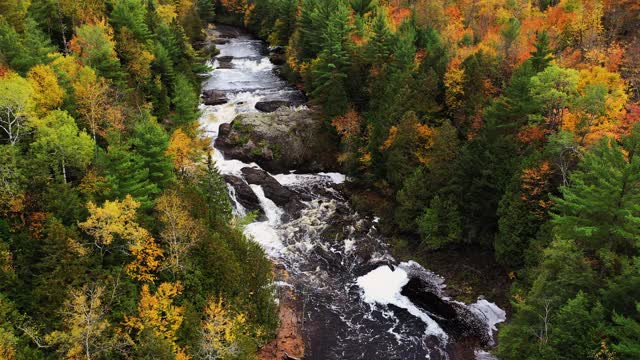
{"points": [[66, 67], [180, 231], [221, 329], [425, 142], [47, 93], [95, 102], [118, 219], [393, 133], [453, 82], [114, 218], [86, 328], [185, 150], [158, 312], [167, 13]]}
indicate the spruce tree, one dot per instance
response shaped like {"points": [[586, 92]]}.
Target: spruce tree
{"points": [[600, 210], [542, 56], [185, 101], [329, 72], [151, 141], [126, 174]]}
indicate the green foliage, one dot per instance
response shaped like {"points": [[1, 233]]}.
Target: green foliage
{"points": [[132, 15], [600, 210], [151, 141], [626, 333], [22, 50], [125, 174], [185, 100], [440, 224], [329, 69], [96, 47], [59, 141]]}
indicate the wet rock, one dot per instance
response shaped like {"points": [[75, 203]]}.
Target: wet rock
{"points": [[280, 141], [277, 59], [271, 106], [279, 194], [454, 318], [246, 197], [214, 97], [224, 59], [224, 62], [285, 198], [220, 41], [277, 50], [277, 55]]}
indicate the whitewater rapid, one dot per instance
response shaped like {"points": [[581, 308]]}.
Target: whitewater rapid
{"points": [[339, 265]]}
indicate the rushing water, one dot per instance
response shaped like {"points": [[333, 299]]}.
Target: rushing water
{"points": [[352, 303]]}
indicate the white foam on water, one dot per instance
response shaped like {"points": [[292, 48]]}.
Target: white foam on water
{"points": [[484, 355], [383, 286], [298, 179], [263, 64], [491, 313]]}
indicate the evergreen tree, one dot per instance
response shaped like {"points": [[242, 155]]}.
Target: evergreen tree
{"points": [[151, 141], [23, 50], [329, 71], [440, 224], [600, 210], [576, 330], [132, 15], [542, 56], [126, 174], [486, 166], [185, 101], [213, 190], [626, 335]]}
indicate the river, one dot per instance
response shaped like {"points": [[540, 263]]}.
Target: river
{"points": [[357, 301]]}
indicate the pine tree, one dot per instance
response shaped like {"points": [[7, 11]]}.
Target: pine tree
{"points": [[626, 333], [600, 210], [151, 142], [185, 100], [542, 56], [213, 190], [132, 15], [329, 71], [126, 174]]}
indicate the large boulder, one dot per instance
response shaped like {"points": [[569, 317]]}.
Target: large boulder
{"points": [[273, 105], [244, 194], [214, 97], [453, 317], [277, 55], [280, 195], [224, 62], [280, 141]]}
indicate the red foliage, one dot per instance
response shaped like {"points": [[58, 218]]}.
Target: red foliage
{"points": [[398, 14], [632, 118], [532, 133]]}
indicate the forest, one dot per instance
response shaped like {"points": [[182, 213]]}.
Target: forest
{"points": [[507, 125]]}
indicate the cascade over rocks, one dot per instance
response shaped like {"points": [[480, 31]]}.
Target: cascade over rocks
{"points": [[214, 97], [273, 105], [454, 318], [279, 194], [244, 194]]}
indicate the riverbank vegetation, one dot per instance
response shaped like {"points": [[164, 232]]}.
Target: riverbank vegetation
{"points": [[504, 124], [116, 238]]}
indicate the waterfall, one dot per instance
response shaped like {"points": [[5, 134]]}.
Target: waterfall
{"points": [[340, 266]]}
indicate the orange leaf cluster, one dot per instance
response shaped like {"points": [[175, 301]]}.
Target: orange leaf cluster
{"points": [[347, 125], [535, 186]]}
